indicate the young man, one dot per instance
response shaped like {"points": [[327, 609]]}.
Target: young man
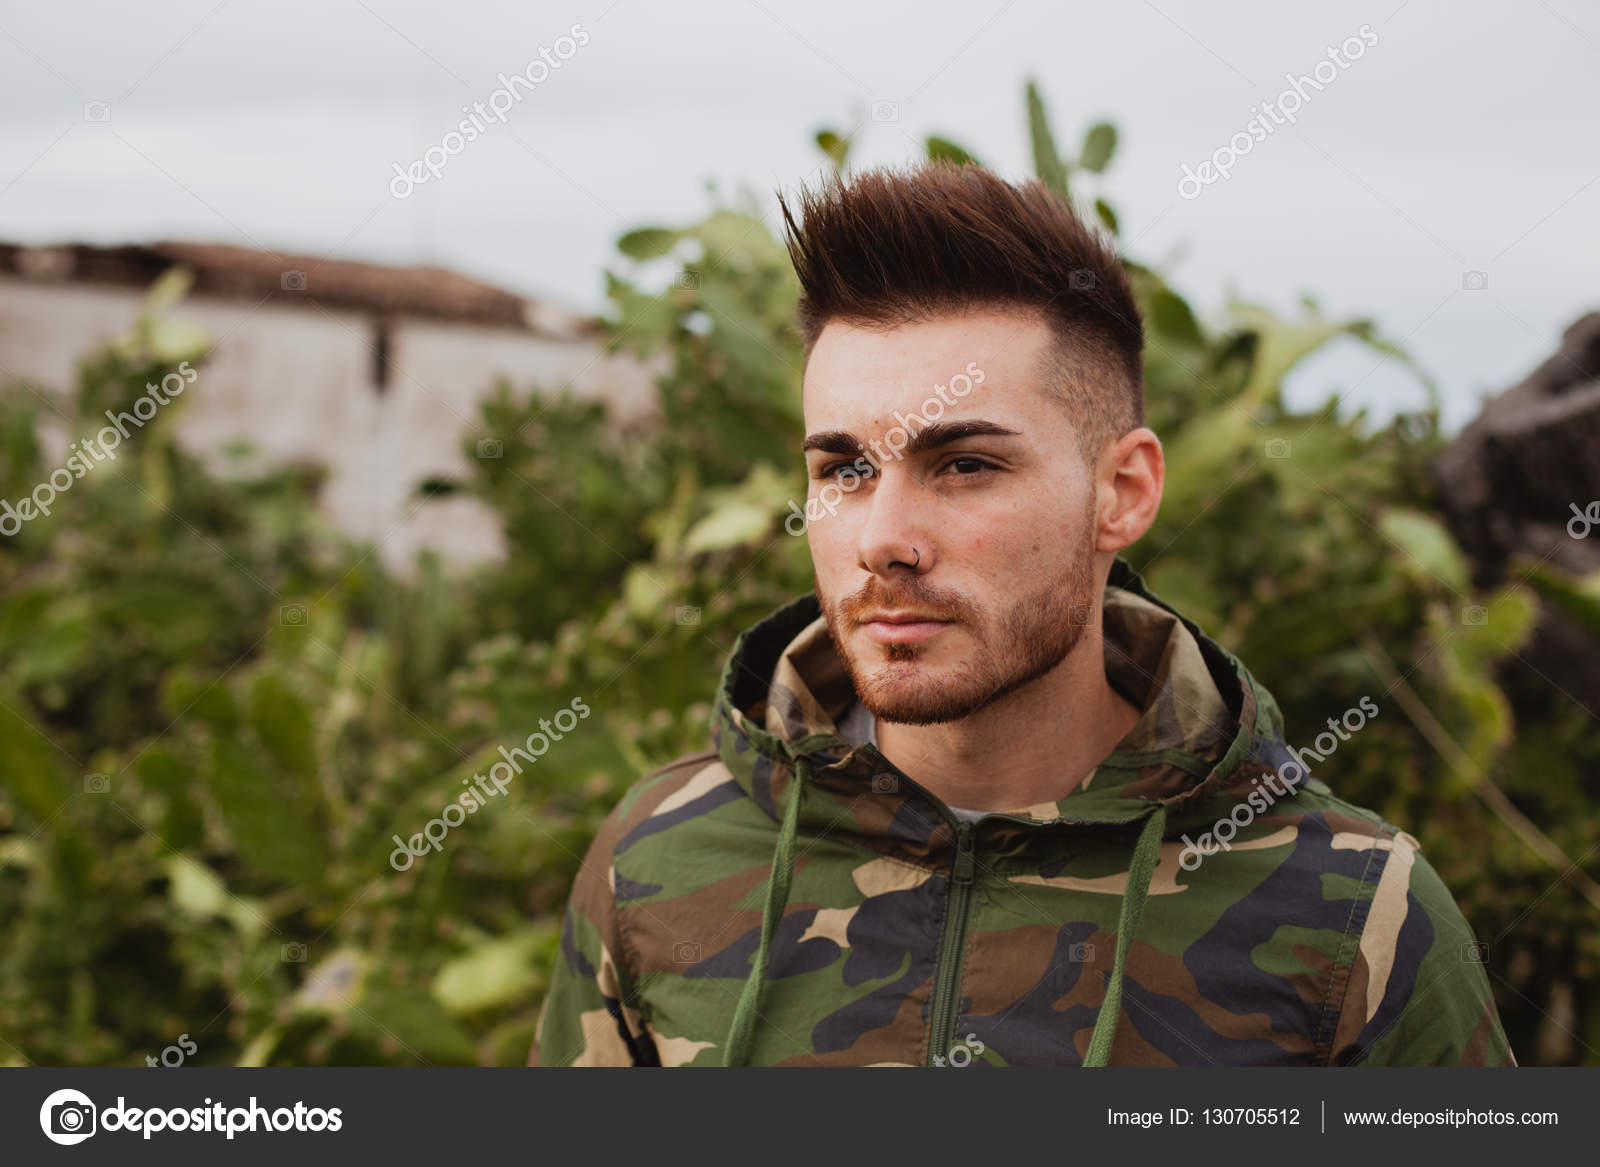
{"points": [[983, 797]]}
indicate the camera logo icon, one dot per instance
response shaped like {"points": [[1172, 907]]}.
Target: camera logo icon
{"points": [[1474, 281], [293, 953], [1476, 952], [1277, 447], [96, 784], [491, 448], [686, 614], [689, 280], [686, 952], [292, 615], [1081, 280], [1475, 615], [1082, 952], [97, 111], [885, 784], [67, 1117]]}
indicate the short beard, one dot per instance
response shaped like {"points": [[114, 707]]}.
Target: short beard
{"points": [[1028, 641]]}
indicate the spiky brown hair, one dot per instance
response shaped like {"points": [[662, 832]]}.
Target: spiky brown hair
{"points": [[888, 247]]}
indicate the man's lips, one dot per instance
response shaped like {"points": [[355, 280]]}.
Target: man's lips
{"points": [[902, 627]]}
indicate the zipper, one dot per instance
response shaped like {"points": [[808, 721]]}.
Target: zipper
{"points": [[947, 980]]}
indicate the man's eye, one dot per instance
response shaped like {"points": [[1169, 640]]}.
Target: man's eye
{"points": [[967, 467]]}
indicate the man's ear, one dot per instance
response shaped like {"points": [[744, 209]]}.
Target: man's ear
{"points": [[1129, 477]]}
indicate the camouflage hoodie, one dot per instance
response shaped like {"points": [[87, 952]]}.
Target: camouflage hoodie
{"points": [[787, 898]]}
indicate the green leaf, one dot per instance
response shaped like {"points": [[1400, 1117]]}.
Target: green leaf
{"points": [[1502, 627], [740, 514], [197, 892], [1046, 161], [647, 322], [730, 525], [283, 723], [19, 851], [267, 819], [413, 1019], [1429, 549], [834, 146], [260, 1047], [729, 234], [1170, 315], [1099, 144], [28, 764], [648, 242], [1578, 598], [1211, 449], [44, 637], [944, 150], [491, 976], [745, 339], [169, 288], [162, 772], [1280, 346], [1106, 215], [646, 593], [187, 694]]}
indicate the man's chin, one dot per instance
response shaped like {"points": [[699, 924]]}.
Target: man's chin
{"points": [[911, 692]]}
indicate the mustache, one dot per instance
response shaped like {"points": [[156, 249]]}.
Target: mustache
{"points": [[875, 595]]}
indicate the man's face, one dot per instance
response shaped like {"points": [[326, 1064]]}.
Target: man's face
{"points": [[978, 482]]}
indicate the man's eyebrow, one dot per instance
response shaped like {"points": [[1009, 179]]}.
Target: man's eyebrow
{"points": [[930, 436], [832, 442]]}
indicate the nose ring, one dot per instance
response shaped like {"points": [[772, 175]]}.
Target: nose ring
{"points": [[919, 559]]}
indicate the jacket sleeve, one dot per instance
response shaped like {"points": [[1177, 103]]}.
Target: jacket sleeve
{"points": [[1417, 993], [590, 1015]]}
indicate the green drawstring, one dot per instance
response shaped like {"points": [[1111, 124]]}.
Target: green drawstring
{"points": [[1140, 873], [737, 1048]]}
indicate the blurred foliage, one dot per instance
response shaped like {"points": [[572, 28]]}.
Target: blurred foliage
{"points": [[217, 715]]}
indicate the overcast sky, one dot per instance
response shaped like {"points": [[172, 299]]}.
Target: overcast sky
{"points": [[1461, 139]]}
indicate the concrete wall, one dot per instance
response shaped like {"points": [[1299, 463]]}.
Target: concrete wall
{"points": [[297, 383]]}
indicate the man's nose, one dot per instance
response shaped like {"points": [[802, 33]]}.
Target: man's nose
{"points": [[896, 534]]}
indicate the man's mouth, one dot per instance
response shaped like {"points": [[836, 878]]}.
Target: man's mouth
{"points": [[902, 627]]}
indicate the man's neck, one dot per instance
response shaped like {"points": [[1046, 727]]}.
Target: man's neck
{"points": [[1033, 746]]}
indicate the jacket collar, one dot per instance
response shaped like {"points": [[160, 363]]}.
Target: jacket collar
{"points": [[785, 688]]}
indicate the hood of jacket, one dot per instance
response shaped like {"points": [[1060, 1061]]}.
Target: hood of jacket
{"points": [[1204, 721]]}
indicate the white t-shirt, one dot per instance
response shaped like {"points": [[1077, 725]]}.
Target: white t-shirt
{"points": [[859, 727]]}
